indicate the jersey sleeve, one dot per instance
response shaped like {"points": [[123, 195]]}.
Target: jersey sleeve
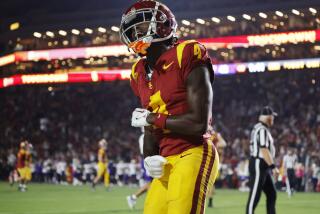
{"points": [[192, 54], [262, 137], [134, 79]]}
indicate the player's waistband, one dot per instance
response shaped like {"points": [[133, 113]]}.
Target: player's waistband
{"points": [[196, 149]]}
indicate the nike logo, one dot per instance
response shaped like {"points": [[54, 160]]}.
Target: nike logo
{"points": [[182, 156], [165, 67]]}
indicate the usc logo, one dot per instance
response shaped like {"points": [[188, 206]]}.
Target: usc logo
{"points": [[157, 104]]}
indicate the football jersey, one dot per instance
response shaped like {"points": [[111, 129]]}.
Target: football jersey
{"points": [[166, 90], [22, 156], [28, 158], [102, 154]]}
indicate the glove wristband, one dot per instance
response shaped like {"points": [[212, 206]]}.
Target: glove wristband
{"points": [[272, 166], [160, 121]]}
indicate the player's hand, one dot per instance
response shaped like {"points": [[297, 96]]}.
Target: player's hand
{"points": [[139, 117], [154, 165]]}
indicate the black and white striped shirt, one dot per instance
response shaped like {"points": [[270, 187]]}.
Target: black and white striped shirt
{"points": [[261, 138], [289, 161]]}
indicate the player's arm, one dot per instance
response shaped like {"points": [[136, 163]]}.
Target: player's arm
{"points": [[199, 97], [150, 143]]}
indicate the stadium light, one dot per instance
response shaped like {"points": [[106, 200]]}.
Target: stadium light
{"points": [[231, 18], [296, 12], [263, 15], [62, 33], [65, 42], [88, 30], [215, 19], [102, 30], [200, 21], [14, 26], [185, 22], [36, 34], [50, 34], [312, 10], [279, 13], [246, 16], [75, 31], [115, 29]]}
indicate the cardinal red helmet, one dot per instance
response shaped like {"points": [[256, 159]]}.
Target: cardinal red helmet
{"points": [[146, 22]]}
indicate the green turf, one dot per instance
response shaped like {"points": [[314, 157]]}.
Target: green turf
{"points": [[56, 199]]}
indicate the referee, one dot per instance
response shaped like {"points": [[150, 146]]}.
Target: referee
{"points": [[261, 163], [289, 161]]}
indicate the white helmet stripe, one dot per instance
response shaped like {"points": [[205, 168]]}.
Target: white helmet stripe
{"points": [[152, 22]]}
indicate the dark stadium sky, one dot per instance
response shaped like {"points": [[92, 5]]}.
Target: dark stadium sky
{"points": [[17, 8], [20, 8]]}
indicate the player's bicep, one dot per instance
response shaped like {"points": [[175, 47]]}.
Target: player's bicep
{"points": [[199, 94], [195, 55]]}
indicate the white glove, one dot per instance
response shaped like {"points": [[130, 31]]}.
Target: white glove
{"points": [[139, 117], [154, 165]]}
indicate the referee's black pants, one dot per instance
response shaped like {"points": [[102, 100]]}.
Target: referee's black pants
{"points": [[260, 179], [291, 178]]}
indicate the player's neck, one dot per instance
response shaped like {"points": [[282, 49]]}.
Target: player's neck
{"points": [[154, 52]]}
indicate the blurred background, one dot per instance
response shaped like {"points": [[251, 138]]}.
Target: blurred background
{"points": [[64, 83]]}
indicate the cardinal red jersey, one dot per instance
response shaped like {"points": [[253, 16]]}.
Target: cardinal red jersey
{"points": [[22, 156], [166, 92]]}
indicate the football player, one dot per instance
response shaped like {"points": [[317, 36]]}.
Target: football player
{"points": [[102, 164], [28, 161], [220, 144], [21, 166], [174, 84]]}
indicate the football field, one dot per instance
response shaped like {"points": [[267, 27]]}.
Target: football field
{"points": [[56, 199]]}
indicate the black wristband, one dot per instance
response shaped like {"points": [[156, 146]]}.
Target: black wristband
{"points": [[272, 166]]}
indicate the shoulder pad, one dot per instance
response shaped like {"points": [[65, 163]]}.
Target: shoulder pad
{"points": [[180, 49]]}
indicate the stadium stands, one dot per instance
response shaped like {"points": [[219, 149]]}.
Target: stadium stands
{"points": [[65, 121], [68, 120]]}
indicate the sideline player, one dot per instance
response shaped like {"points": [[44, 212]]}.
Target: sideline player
{"points": [[132, 199], [102, 165], [289, 164], [28, 162], [220, 144], [174, 84], [21, 166], [13, 174]]}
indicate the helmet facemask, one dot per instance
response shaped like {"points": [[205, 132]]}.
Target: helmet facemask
{"points": [[138, 28]]}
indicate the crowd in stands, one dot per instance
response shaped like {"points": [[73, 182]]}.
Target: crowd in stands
{"points": [[65, 122]]}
